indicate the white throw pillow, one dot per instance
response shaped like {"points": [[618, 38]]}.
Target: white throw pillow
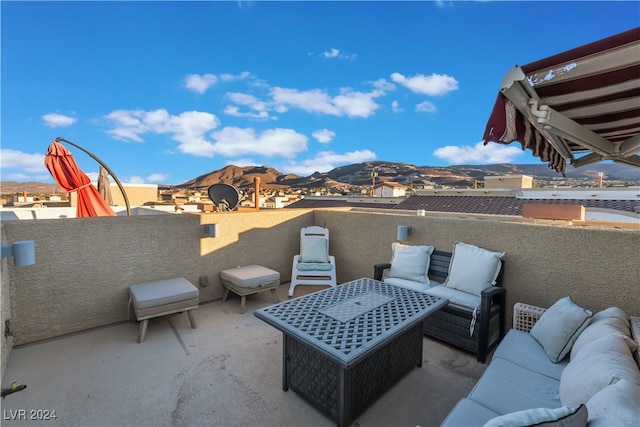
{"points": [[557, 417], [313, 249], [602, 323], [410, 262], [617, 404], [559, 327], [597, 365], [472, 268]]}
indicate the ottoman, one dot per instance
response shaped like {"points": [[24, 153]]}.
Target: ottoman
{"points": [[160, 297], [249, 280]]}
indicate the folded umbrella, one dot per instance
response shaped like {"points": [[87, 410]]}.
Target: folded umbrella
{"points": [[64, 169]]}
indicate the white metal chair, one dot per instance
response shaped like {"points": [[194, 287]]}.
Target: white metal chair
{"points": [[314, 265]]}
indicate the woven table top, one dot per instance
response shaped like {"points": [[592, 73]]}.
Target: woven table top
{"points": [[351, 320]]}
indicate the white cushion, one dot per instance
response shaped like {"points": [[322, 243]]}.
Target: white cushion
{"points": [[410, 262], [250, 276], [559, 326], [597, 365], [314, 249], [162, 292], [602, 323], [563, 416], [408, 284], [455, 296], [472, 268], [617, 404]]}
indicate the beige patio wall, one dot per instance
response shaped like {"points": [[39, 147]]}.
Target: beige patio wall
{"points": [[597, 266], [84, 266]]}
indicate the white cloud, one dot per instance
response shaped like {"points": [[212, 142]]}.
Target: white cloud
{"points": [[478, 153], [15, 159], [234, 141], [314, 100], [335, 53], [324, 135], [348, 103], [200, 83], [383, 85], [54, 120], [242, 162], [136, 179], [234, 111], [187, 128], [426, 107], [395, 107], [356, 104], [250, 101], [190, 130], [444, 3], [433, 85], [328, 160], [157, 177], [226, 77]]}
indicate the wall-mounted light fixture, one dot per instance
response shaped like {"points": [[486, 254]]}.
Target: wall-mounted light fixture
{"points": [[23, 253], [403, 233], [212, 230]]}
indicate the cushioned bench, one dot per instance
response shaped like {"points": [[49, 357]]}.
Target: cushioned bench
{"points": [[471, 281], [161, 297], [249, 280]]}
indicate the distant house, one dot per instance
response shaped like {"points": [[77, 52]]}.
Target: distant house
{"points": [[390, 189]]}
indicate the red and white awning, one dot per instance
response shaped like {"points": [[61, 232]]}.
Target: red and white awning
{"points": [[580, 106]]}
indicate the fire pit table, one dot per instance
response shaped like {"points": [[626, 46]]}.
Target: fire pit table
{"points": [[345, 346]]}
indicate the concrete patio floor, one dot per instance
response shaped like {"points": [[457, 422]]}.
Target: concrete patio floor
{"points": [[227, 372]]}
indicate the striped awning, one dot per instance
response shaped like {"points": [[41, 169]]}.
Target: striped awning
{"points": [[580, 106]]}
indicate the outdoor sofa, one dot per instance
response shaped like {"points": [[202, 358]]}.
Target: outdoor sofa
{"points": [[470, 277], [561, 366]]}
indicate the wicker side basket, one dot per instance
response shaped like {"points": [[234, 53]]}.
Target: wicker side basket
{"points": [[525, 316]]}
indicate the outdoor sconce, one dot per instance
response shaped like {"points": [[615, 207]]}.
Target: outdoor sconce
{"points": [[212, 230], [403, 232], [23, 253]]}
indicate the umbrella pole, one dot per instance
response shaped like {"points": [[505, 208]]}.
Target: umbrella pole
{"points": [[94, 157]]}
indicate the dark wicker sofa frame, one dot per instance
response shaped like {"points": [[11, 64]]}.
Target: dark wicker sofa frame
{"points": [[452, 322]]}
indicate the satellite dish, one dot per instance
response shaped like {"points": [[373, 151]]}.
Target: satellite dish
{"points": [[224, 196]]}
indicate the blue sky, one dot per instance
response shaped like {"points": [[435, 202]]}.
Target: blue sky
{"points": [[163, 92]]}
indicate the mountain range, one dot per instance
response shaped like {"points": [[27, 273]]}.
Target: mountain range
{"points": [[360, 174]]}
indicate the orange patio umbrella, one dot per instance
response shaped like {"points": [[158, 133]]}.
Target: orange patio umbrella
{"points": [[65, 171]]}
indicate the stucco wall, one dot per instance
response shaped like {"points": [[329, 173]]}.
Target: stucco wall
{"points": [[5, 314], [597, 266], [84, 266], [137, 194]]}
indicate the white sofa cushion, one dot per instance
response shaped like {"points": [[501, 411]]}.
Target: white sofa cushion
{"points": [[455, 296], [409, 284], [472, 268], [521, 348], [556, 417], [314, 249], [617, 404], [410, 262], [604, 322], [559, 326], [507, 387], [597, 365]]}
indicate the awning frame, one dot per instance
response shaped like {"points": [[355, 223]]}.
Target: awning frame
{"points": [[555, 126], [580, 106]]}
